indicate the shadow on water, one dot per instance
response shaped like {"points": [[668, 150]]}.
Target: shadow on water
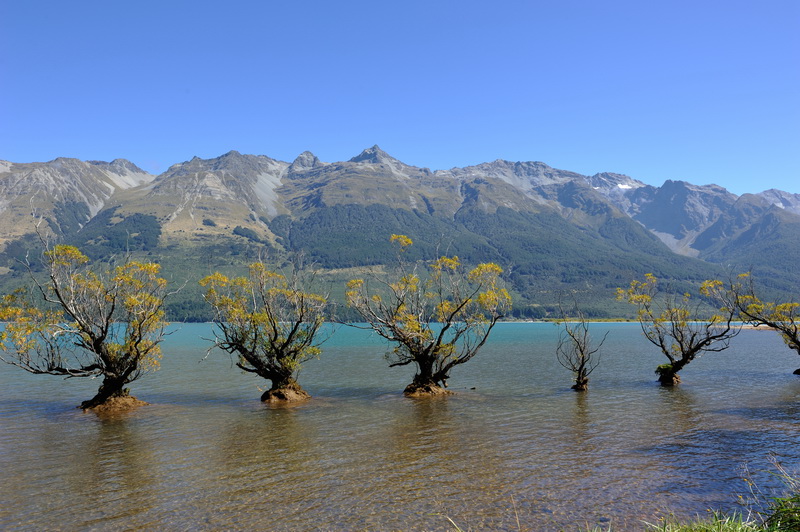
{"points": [[107, 478], [113, 475]]}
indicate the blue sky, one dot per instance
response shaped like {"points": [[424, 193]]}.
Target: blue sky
{"points": [[703, 91]]}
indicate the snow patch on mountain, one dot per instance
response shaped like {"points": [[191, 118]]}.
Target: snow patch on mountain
{"points": [[782, 199]]}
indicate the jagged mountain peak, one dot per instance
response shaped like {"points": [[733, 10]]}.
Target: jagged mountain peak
{"points": [[68, 161], [123, 163], [517, 167], [232, 162], [373, 155], [519, 164], [671, 185], [230, 188], [233, 155], [233, 159], [305, 161], [534, 170], [527, 176], [780, 198], [118, 165], [609, 181]]}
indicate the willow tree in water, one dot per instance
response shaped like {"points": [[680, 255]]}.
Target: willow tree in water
{"points": [[782, 317], [87, 322], [437, 319], [270, 322], [575, 350], [673, 323]]}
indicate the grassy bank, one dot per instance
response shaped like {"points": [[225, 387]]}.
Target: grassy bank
{"points": [[780, 514], [714, 523]]}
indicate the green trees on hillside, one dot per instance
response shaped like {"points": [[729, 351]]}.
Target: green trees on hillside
{"points": [[106, 234], [674, 324], [437, 319], [87, 322]]}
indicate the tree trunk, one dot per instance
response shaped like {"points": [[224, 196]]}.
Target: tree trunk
{"points": [[669, 379], [581, 384], [284, 390], [417, 389], [425, 385], [111, 387], [668, 374]]}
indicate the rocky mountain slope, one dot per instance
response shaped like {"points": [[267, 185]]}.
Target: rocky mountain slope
{"points": [[67, 192], [553, 229], [752, 231]]}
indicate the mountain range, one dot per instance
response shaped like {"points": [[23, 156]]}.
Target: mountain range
{"points": [[554, 231]]}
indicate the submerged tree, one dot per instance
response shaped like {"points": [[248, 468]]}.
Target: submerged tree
{"points": [[270, 322], [575, 350], [85, 322], [673, 324], [438, 319], [783, 317]]}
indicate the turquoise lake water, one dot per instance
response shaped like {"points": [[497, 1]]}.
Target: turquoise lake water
{"points": [[514, 442]]}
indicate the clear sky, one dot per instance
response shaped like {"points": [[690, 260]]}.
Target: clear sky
{"points": [[705, 91]]}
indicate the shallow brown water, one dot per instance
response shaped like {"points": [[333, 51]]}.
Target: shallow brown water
{"points": [[207, 455]]}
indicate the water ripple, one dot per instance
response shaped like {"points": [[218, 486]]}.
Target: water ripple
{"points": [[206, 454]]}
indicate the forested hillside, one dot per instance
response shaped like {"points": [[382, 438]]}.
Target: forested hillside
{"points": [[556, 233]]}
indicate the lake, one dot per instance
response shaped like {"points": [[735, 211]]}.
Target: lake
{"points": [[515, 442]]}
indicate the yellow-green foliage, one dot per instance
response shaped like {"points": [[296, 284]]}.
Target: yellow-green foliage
{"points": [[269, 320], [141, 292], [671, 321], [780, 316], [402, 240], [446, 295], [673, 314], [86, 322], [24, 322], [443, 313]]}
